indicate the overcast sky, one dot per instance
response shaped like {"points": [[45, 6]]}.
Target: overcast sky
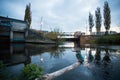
{"points": [[68, 15]]}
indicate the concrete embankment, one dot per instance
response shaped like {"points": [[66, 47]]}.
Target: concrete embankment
{"points": [[86, 39], [40, 42]]}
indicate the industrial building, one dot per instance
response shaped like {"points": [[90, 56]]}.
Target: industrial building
{"points": [[13, 30]]}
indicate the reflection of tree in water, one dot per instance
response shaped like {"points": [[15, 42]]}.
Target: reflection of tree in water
{"points": [[103, 66], [54, 50], [28, 59], [57, 51], [106, 58], [106, 67], [98, 56], [90, 57]]}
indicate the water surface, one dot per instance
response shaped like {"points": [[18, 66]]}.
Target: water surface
{"points": [[101, 62]]}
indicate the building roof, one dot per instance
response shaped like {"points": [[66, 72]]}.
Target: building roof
{"points": [[15, 24], [11, 19]]}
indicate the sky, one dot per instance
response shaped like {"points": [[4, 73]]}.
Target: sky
{"points": [[67, 15]]}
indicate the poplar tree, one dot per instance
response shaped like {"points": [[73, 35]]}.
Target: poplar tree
{"points": [[91, 22], [107, 17], [98, 20], [28, 17]]}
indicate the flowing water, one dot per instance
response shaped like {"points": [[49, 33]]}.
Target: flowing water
{"points": [[100, 62]]}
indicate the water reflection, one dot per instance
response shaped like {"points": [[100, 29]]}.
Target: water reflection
{"points": [[101, 60], [41, 58], [98, 56], [90, 56], [13, 54], [57, 51], [77, 49], [106, 58], [107, 68]]}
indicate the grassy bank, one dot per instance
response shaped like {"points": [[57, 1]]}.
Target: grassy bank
{"points": [[108, 39]]}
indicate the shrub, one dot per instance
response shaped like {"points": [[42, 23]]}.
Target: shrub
{"points": [[32, 71], [109, 39], [2, 65]]}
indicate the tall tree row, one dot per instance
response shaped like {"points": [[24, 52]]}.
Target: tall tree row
{"points": [[98, 20], [28, 16], [107, 17], [91, 23]]}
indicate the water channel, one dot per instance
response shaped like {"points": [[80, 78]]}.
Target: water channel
{"points": [[101, 62]]}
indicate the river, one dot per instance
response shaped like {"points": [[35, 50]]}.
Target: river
{"points": [[100, 62]]}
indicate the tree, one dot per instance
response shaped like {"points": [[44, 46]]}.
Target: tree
{"points": [[107, 17], [98, 20], [28, 17], [91, 23]]}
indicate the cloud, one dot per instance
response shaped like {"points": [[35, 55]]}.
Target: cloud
{"points": [[70, 16]]}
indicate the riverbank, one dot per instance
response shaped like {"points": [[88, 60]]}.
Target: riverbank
{"points": [[104, 39], [40, 42], [109, 39]]}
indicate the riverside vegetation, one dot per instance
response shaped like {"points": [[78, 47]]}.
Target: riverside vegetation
{"points": [[105, 39], [29, 72], [108, 39], [32, 71]]}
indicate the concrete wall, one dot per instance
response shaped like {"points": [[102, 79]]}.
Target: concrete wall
{"points": [[13, 30], [84, 39]]}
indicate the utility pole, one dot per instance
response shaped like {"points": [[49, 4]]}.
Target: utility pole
{"points": [[41, 23], [86, 27]]}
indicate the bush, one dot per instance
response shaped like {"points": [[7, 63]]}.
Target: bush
{"points": [[109, 39], [2, 65], [32, 71], [55, 36]]}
